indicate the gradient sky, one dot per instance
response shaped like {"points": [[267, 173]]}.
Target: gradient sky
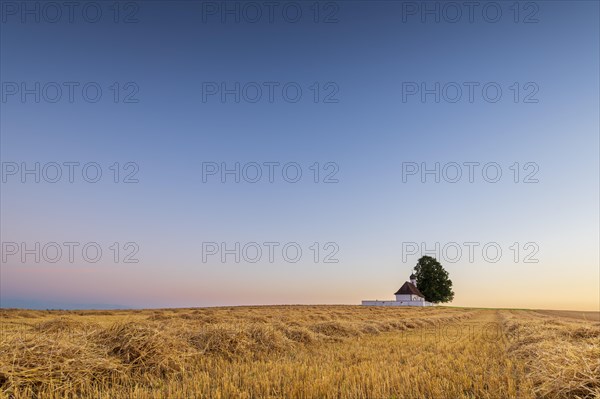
{"points": [[368, 50]]}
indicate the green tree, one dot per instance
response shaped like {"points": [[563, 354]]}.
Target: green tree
{"points": [[433, 281]]}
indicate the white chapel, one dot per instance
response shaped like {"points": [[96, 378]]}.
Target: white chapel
{"points": [[407, 295]]}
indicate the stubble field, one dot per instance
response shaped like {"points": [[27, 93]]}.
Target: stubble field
{"points": [[298, 352]]}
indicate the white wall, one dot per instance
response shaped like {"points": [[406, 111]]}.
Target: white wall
{"points": [[396, 303], [408, 297]]}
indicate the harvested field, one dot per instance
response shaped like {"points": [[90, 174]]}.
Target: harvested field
{"points": [[297, 351], [588, 316]]}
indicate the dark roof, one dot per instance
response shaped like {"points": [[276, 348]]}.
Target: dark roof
{"points": [[413, 277], [409, 289]]}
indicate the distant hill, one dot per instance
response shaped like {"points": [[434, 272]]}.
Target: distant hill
{"points": [[42, 305]]}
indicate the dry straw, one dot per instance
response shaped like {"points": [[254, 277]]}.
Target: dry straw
{"points": [[294, 351]]}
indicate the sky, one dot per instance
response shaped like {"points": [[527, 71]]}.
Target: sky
{"points": [[200, 153]]}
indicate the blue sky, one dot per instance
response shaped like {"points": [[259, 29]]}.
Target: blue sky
{"points": [[363, 55]]}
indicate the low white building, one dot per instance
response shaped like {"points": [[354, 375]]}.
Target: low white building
{"points": [[407, 295]]}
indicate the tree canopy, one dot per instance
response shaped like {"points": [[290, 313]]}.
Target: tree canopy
{"points": [[433, 281]]}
